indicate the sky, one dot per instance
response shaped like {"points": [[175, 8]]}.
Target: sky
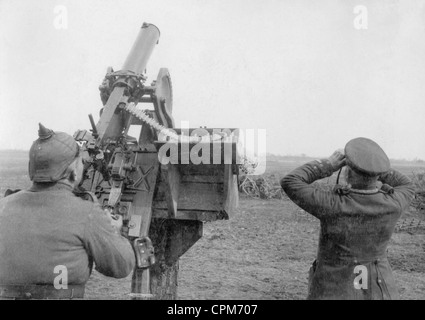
{"points": [[302, 70]]}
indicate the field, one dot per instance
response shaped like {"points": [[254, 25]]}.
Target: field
{"points": [[263, 252]]}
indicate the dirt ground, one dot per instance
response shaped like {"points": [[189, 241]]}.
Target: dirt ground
{"points": [[264, 252]]}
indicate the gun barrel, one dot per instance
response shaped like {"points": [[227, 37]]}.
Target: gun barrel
{"points": [[93, 125], [142, 48]]}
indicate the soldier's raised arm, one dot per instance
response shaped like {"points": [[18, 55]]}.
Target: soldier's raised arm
{"points": [[112, 254], [400, 187], [299, 188]]}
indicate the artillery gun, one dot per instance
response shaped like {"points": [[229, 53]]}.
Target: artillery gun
{"points": [[166, 182]]}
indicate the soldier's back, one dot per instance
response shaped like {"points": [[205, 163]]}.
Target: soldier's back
{"points": [[41, 230]]}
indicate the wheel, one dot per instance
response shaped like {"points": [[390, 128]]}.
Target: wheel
{"points": [[278, 193], [251, 190]]}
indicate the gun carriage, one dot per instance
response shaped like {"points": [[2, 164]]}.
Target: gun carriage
{"points": [[166, 182]]}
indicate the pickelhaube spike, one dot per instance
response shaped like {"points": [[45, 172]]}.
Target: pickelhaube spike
{"points": [[44, 133]]}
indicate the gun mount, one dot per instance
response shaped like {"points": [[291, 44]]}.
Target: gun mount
{"points": [[164, 183]]}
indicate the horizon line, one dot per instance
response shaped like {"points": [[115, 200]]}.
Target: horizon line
{"points": [[268, 154]]}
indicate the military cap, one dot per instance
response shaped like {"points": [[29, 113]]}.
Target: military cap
{"points": [[366, 156], [51, 154]]}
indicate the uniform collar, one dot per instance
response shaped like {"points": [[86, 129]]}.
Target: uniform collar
{"points": [[346, 189], [365, 191], [51, 186]]}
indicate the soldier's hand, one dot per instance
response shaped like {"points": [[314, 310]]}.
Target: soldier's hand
{"points": [[337, 159], [116, 220]]}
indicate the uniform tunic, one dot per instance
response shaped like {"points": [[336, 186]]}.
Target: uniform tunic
{"points": [[46, 227], [355, 229]]}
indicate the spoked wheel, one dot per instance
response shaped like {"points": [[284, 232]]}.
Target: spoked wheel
{"points": [[251, 190]]}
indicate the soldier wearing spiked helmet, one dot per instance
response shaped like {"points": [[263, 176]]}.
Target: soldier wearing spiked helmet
{"points": [[49, 238]]}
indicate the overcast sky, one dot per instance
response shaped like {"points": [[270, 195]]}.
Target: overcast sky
{"points": [[299, 69]]}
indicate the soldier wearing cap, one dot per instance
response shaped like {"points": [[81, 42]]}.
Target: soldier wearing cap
{"points": [[356, 220], [50, 238]]}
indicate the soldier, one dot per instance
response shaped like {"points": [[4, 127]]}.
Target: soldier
{"points": [[50, 238], [356, 220]]}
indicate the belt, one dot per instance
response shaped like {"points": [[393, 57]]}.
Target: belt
{"points": [[40, 292], [340, 261]]}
